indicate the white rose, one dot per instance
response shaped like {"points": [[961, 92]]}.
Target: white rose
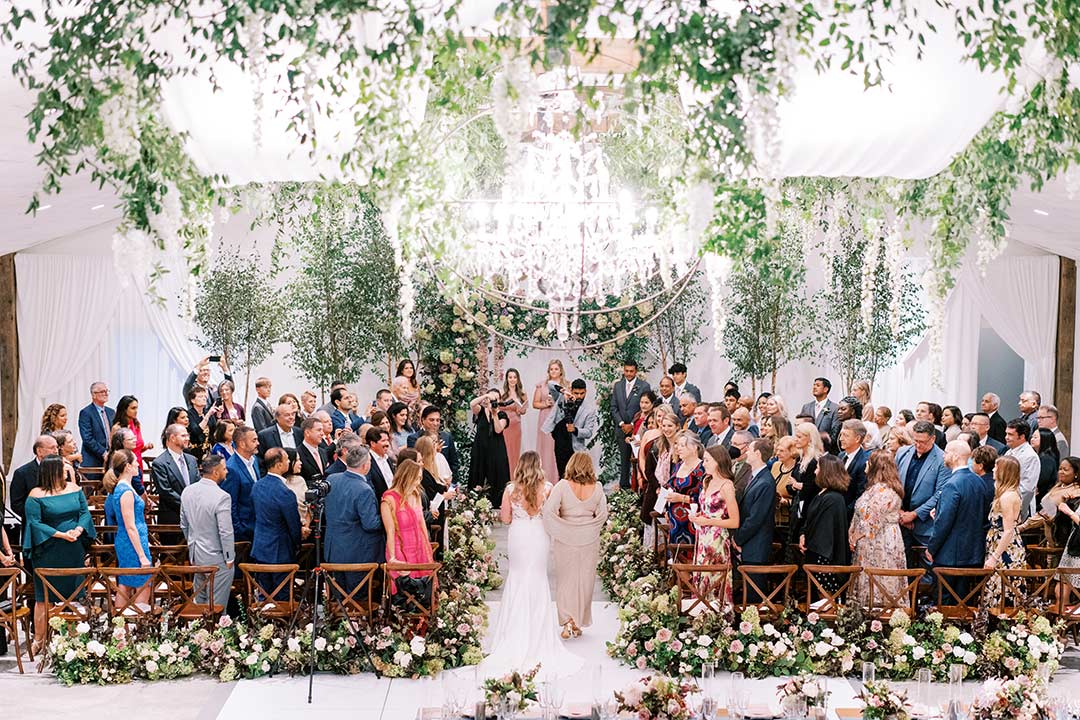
{"points": [[294, 645], [320, 644], [151, 667], [769, 629], [970, 658], [918, 652], [958, 651], [822, 648], [514, 698], [95, 647], [966, 638], [82, 628], [69, 656], [417, 645], [251, 659], [704, 640], [166, 648], [908, 640]]}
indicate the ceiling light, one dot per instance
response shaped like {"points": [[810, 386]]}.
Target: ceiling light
{"points": [[43, 207], [1041, 212], [97, 207]]}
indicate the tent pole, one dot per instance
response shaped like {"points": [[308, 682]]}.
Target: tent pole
{"points": [[9, 360], [1066, 337]]}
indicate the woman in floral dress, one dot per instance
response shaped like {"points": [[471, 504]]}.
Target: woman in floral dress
{"points": [[718, 516], [686, 480], [1004, 546], [874, 535]]}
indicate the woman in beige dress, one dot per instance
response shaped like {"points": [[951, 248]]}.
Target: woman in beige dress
{"points": [[574, 515]]}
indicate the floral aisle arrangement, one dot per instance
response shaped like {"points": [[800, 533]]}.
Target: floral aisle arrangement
{"points": [[656, 698], [1020, 698], [882, 702], [1019, 645], [623, 558], [516, 689], [800, 689]]}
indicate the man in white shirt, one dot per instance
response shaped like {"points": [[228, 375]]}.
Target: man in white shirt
{"points": [[822, 409], [1016, 439], [381, 474], [678, 375], [313, 458], [283, 433]]}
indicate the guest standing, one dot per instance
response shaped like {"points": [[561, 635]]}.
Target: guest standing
{"points": [[543, 402], [512, 400], [381, 474], [625, 401], [200, 422], [206, 520], [124, 439], [809, 447], [686, 481], [951, 418], [753, 539], [57, 531], [574, 515], [354, 529], [125, 509], [1070, 557], [54, 418], [431, 424], [173, 471], [95, 426], [434, 480], [68, 451], [400, 430], [489, 467], [656, 451], [224, 439], [824, 537], [923, 471], [402, 510], [1004, 546], [1044, 443], [243, 472], [1056, 526], [406, 389], [875, 536], [719, 516], [295, 481], [229, 409], [959, 530], [278, 531], [262, 415]]}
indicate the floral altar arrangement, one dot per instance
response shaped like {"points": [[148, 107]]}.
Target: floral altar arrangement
{"points": [[656, 698], [883, 702], [516, 689], [1021, 698]]}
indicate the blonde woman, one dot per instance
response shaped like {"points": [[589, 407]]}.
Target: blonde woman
{"points": [[433, 481], [526, 630], [402, 510], [1004, 546], [899, 436], [574, 515], [809, 448], [655, 458], [542, 401], [775, 405]]}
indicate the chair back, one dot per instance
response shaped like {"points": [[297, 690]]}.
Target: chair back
{"points": [[679, 553], [884, 600], [412, 609], [132, 611], [1068, 606], [102, 555], [950, 603], [170, 554], [350, 596], [9, 585], [67, 606], [820, 599], [693, 600], [1042, 556], [261, 599], [164, 534], [772, 603], [183, 583], [1025, 590]]}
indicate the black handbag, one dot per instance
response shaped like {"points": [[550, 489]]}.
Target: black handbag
{"points": [[418, 587]]}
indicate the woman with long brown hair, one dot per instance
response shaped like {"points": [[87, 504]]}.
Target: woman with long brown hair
{"points": [[574, 515], [1004, 546], [513, 401], [718, 516], [655, 460], [875, 535], [402, 510], [54, 418], [824, 534]]}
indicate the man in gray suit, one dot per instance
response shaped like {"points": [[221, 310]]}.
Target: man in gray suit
{"points": [[678, 375], [572, 422], [206, 519], [625, 403], [1048, 419], [822, 409]]}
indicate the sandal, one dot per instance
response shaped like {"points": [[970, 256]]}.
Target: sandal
{"points": [[566, 631], [575, 629]]}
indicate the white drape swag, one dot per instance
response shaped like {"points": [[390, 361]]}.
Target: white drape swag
{"points": [[165, 317]]}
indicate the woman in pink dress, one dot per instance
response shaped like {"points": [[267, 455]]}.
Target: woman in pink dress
{"points": [[402, 510], [515, 405], [542, 401], [127, 416]]}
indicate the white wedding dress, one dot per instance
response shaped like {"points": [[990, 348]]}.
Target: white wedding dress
{"points": [[527, 629]]}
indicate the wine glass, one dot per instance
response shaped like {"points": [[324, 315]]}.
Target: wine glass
{"points": [[868, 671]]}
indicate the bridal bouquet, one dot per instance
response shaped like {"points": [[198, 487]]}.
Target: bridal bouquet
{"points": [[883, 702], [1021, 698], [516, 688], [656, 698]]}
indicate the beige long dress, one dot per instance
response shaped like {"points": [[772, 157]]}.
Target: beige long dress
{"points": [[574, 526]]}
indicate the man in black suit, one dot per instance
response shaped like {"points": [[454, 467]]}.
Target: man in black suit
{"points": [[980, 425], [990, 405], [313, 458], [625, 403], [852, 435], [25, 477], [200, 377], [262, 416], [381, 475], [173, 470], [430, 424], [753, 539], [283, 433]]}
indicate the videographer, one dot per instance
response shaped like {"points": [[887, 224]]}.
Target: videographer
{"points": [[489, 467], [572, 423]]}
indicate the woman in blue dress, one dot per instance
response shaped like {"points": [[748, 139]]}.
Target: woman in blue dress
{"points": [[223, 439], [125, 509], [686, 481]]}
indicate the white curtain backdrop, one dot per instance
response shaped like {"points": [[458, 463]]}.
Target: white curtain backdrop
{"points": [[166, 317]]}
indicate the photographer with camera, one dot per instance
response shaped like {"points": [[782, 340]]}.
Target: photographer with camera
{"points": [[489, 467], [572, 423]]}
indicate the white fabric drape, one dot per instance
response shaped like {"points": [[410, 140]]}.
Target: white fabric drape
{"points": [[1019, 298], [64, 307], [173, 330]]}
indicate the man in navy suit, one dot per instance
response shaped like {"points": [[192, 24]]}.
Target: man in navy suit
{"points": [[354, 530], [980, 425], [430, 424], [923, 473], [95, 426], [959, 537], [242, 471], [853, 455], [278, 531], [342, 415], [625, 403], [753, 539]]}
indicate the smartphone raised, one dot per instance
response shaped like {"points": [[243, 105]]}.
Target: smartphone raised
{"points": [[214, 358]]}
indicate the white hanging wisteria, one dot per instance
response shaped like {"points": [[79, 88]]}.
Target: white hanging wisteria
{"points": [[872, 229], [120, 124], [717, 270], [894, 263]]}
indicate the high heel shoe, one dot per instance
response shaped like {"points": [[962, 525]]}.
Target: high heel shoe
{"points": [[36, 647], [575, 629], [566, 631]]}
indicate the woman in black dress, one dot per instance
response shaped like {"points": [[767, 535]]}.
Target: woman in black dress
{"points": [[824, 538], [489, 467]]}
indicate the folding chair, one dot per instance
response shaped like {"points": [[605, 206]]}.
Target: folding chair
{"points": [[883, 601], [1026, 590], [264, 603], [692, 601], [69, 607], [953, 606], [349, 596], [183, 583], [12, 613], [413, 610], [818, 598], [132, 612], [771, 604]]}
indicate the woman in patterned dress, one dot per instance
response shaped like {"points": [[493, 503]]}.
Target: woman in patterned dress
{"points": [[718, 516], [1004, 546], [686, 480], [1069, 510], [874, 535]]}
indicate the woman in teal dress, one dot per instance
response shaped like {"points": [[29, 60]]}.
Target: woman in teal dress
{"points": [[58, 532], [126, 510]]}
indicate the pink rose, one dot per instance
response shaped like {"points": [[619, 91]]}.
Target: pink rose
{"points": [[676, 645], [807, 636], [649, 646], [641, 664], [736, 646], [812, 618], [745, 627], [225, 621], [875, 626], [663, 635]]}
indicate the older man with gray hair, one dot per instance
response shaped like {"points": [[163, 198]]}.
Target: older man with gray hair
{"points": [[354, 530], [1047, 417], [991, 405]]}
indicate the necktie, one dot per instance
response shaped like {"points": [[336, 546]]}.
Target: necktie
{"points": [[629, 388], [181, 463], [104, 421], [318, 460]]}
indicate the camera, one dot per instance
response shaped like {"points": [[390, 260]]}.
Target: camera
{"points": [[317, 491]]}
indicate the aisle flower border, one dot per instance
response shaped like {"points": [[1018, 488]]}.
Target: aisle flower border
{"points": [[107, 652], [651, 634]]}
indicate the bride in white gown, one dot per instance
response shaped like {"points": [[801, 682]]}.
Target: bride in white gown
{"points": [[527, 629]]}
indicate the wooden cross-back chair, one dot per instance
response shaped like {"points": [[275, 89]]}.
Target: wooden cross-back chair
{"points": [[1025, 590], [164, 534], [692, 601], [75, 606], [102, 555], [818, 598], [261, 600], [12, 613], [412, 610], [136, 612], [183, 583], [106, 534], [1042, 556], [90, 474], [770, 604], [950, 603], [679, 553], [1067, 609], [169, 554], [350, 597], [883, 601]]}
